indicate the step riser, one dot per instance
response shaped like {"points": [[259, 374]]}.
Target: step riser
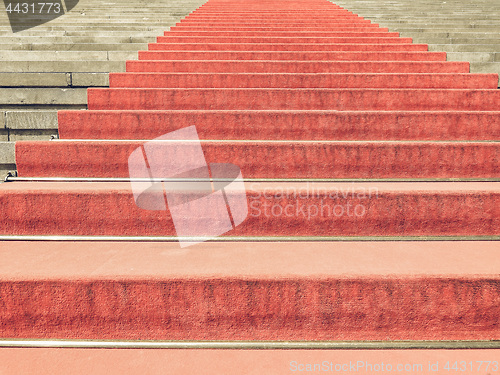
{"points": [[273, 210], [283, 39], [298, 99], [297, 67], [298, 309], [296, 160], [295, 56], [284, 47], [283, 125], [212, 80]]}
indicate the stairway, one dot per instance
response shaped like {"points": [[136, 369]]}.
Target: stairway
{"points": [[371, 169]]}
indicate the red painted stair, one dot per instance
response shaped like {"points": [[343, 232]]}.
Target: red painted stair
{"points": [[360, 149]]}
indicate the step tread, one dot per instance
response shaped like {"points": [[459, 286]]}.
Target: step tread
{"points": [[67, 260]]}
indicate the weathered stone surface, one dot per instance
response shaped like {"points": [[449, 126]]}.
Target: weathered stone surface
{"points": [[7, 152], [35, 79], [90, 79], [43, 96], [31, 119]]}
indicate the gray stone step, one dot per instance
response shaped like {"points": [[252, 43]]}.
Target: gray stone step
{"points": [[486, 67], [453, 35], [464, 47], [35, 79], [7, 153], [43, 96], [474, 56], [74, 47], [54, 79], [62, 66], [418, 38], [66, 55], [31, 119], [77, 39], [444, 29], [87, 33]]}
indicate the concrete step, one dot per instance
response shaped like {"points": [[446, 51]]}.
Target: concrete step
{"points": [[84, 66], [26, 119], [384, 209], [453, 35], [7, 154], [431, 40], [279, 288], [474, 57], [90, 32], [479, 48], [74, 47], [487, 67], [462, 28], [297, 159], [35, 79], [301, 80], [237, 66], [66, 55], [303, 99], [43, 96], [279, 125], [53, 79], [76, 39]]}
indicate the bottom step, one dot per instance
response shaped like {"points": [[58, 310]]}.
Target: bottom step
{"points": [[300, 291]]}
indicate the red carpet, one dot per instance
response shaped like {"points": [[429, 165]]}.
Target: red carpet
{"points": [[285, 90]]}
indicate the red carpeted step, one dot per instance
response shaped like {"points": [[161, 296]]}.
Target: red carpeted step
{"points": [[284, 47], [299, 159], [294, 56], [251, 291], [276, 23], [304, 99], [260, 28], [279, 125], [280, 39], [220, 66], [271, 15], [274, 209], [312, 80], [281, 34]]}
